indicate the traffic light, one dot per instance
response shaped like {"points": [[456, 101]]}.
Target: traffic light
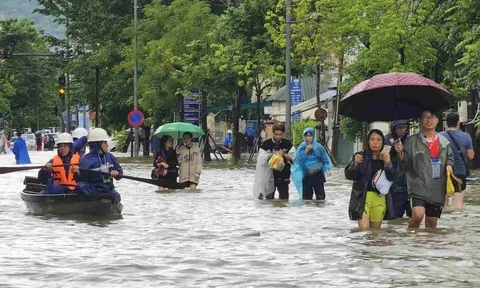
{"points": [[61, 83]]}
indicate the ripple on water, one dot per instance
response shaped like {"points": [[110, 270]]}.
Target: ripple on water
{"points": [[221, 237]]}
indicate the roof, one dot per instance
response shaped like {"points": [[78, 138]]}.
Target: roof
{"points": [[330, 94], [309, 87]]}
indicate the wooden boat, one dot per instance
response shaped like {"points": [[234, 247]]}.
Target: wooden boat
{"points": [[67, 204]]}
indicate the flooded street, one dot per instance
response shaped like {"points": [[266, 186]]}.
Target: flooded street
{"points": [[221, 237]]}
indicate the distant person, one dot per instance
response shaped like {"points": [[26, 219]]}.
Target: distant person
{"points": [[3, 143], [462, 147], [426, 158], [228, 140], [20, 150], [39, 141]]}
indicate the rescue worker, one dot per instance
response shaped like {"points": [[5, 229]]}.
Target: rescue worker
{"points": [[80, 138], [61, 173], [99, 159]]}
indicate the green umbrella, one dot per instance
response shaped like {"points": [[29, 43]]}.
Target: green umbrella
{"points": [[177, 129]]}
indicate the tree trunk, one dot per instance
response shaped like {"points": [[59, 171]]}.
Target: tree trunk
{"points": [[146, 142], [235, 128], [259, 114], [206, 143], [336, 116]]}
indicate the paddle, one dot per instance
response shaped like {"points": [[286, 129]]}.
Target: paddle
{"points": [[157, 182], [5, 170]]}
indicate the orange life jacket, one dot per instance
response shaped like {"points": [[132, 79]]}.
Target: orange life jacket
{"points": [[58, 173]]}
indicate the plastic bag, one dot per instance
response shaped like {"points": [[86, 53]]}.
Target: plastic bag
{"points": [[297, 175], [276, 162], [453, 184], [263, 183]]}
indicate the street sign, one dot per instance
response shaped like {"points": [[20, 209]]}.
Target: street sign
{"points": [[135, 118], [296, 86], [192, 110]]}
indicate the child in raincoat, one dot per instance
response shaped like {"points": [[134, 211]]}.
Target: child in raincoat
{"points": [[312, 164]]}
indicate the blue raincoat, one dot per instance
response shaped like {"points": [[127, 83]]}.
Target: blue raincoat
{"points": [[21, 152], [79, 145], [316, 155], [227, 140], [97, 183]]}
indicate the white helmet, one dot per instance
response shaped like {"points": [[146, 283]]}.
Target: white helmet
{"points": [[79, 132], [229, 131], [97, 135], [65, 138]]}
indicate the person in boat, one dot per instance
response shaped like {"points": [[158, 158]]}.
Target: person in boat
{"points": [[189, 162], [399, 131], [20, 150], [267, 180], [166, 163], [80, 140], [61, 173], [99, 159], [313, 165], [367, 205]]}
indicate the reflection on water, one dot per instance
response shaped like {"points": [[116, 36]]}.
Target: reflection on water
{"points": [[221, 237]]}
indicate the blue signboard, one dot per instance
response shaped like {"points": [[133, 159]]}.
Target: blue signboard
{"points": [[251, 127], [296, 87], [192, 111]]}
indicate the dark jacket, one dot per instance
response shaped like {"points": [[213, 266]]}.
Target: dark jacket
{"points": [[400, 179], [360, 174]]}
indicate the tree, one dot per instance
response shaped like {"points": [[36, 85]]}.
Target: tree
{"points": [[26, 83], [246, 54]]}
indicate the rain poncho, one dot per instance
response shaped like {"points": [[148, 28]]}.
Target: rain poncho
{"points": [[79, 145], [227, 140], [21, 152], [97, 183], [263, 184], [316, 158]]}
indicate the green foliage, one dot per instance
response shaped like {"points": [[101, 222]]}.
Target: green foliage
{"points": [[297, 129], [351, 129], [121, 137], [26, 83]]}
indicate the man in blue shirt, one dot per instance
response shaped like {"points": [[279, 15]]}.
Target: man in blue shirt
{"points": [[461, 144]]}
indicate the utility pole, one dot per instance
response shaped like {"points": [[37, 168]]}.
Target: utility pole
{"points": [[135, 60], [68, 81], [288, 69], [97, 97]]}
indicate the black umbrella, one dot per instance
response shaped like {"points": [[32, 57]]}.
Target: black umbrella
{"points": [[393, 96]]}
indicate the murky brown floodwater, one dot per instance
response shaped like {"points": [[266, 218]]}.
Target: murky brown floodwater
{"points": [[221, 237]]}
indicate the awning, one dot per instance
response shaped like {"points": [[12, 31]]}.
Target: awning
{"points": [[244, 106], [311, 103]]}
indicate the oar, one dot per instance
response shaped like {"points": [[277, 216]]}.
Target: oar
{"points": [[157, 182], [5, 170]]}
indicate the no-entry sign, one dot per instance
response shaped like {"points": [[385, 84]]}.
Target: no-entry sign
{"points": [[135, 118]]}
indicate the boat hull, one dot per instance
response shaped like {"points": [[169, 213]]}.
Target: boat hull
{"points": [[67, 204]]}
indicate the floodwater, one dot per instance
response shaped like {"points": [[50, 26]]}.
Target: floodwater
{"points": [[221, 237]]}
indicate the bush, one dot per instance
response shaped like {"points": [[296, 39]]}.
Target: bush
{"points": [[298, 128], [121, 138]]}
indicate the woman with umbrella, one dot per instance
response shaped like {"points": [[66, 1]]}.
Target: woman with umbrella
{"points": [[166, 161]]}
